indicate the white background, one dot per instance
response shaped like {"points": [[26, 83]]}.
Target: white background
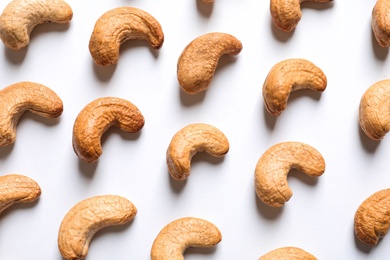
{"points": [[337, 37]]}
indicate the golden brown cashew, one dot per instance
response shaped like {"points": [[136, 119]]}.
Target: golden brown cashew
{"points": [[288, 253], [20, 17], [20, 97], [190, 140], [275, 164], [16, 188], [86, 218], [287, 13], [96, 117], [182, 233], [119, 25], [199, 59], [288, 76], [380, 22]]}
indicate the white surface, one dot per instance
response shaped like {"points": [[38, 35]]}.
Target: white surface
{"points": [[336, 37]]}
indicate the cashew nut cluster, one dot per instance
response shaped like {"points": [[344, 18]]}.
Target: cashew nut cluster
{"points": [[119, 25], [380, 22], [288, 253], [182, 233], [190, 140], [89, 216], [274, 165], [287, 76], [20, 17], [199, 59]]}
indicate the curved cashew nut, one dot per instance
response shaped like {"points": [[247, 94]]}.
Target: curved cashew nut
{"points": [[20, 17], [380, 22], [119, 25], [19, 97], [89, 216], [291, 253], [96, 117], [287, 76], [182, 233], [287, 13], [16, 188], [190, 140], [374, 115], [199, 59], [274, 165]]}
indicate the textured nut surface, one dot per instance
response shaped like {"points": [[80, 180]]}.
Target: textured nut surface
{"points": [[287, 76], [190, 140], [89, 216], [96, 117], [274, 165], [182, 233], [16, 188], [20, 97], [199, 59], [20, 17], [119, 25], [288, 253], [380, 22]]}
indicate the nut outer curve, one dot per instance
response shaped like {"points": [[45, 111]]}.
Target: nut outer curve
{"points": [[380, 22], [288, 253]]}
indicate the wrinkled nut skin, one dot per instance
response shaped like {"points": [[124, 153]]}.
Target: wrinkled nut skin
{"points": [[190, 140], [119, 25], [16, 188], [182, 233], [25, 96], [372, 218], [94, 120], [380, 22], [288, 253], [288, 76], [198, 61], [20, 17], [274, 165], [89, 216]]}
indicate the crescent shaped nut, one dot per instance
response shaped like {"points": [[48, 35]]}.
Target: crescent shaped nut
{"points": [[94, 120], [290, 253], [89, 216], [190, 140], [20, 17], [199, 59], [119, 25], [182, 233], [25, 96], [288, 76], [274, 165], [380, 22]]}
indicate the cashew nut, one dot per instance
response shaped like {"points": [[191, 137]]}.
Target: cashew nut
{"points": [[287, 76], [119, 25], [19, 97], [182, 233], [96, 117], [190, 140], [380, 22], [374, 114], [287, 13], [199, 59], [275, 164], [86, 218], [290, 253], [16, 188], [20, 17]]}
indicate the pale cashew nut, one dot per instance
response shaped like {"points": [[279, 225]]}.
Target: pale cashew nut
{"points": [[182, 233], [94, 120], [288, 76], [119, 25], [274, 165], [380, 22], [190, 140], [199, 59], [20, 17], [25, 96], [290, 253]]}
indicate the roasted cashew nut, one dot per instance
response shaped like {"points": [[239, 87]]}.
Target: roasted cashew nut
{"points": [[274, 165], [287, 76], [182, 233], [20, 17], [190, 140], [20, 97], [119, 25], [96, 117], [199, 59], [380, 22], [290, 253], [89, 216]]}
